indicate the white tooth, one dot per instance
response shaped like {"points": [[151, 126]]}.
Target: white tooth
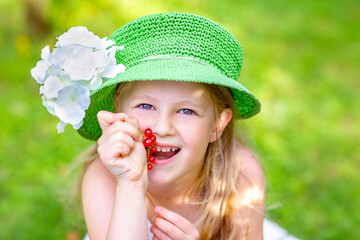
{"points": [[165, 149]]}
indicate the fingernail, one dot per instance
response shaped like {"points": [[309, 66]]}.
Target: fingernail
{"points": [[100, 113], [157, 209], [104, 113]]}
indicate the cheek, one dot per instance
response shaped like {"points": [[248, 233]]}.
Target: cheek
{"points": [[196, 134]]}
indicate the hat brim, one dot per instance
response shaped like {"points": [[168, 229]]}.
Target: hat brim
{"points": [[172, 69]]}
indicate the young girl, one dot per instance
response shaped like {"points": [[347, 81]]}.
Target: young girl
{"points": [[181, 82], [180, 90]]}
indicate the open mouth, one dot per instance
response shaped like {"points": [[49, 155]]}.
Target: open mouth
{"points": [[164, 153]]}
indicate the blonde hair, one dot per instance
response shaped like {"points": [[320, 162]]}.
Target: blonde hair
{"points": [[216, 183], [216, 189]]}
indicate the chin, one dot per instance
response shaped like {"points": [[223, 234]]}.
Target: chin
{"points": [[157, 177]]}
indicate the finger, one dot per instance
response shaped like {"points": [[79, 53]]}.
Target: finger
{"points": [[169, 228], [122, 168], [113, 152], [123, 149], [106, 118], [158, 234], [176, 219], [125, 127], [122, 137], [118, 143], [133, 121]]}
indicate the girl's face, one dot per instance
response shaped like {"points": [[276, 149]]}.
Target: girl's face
{"points": [[181, 116]]}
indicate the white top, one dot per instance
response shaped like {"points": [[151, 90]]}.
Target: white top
{"points": [[150, 235]]}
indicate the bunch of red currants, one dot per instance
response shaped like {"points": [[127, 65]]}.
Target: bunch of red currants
{"points": [[150, 149]]}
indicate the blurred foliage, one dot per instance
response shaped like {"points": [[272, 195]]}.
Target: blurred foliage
{"points": [[301, 59]]}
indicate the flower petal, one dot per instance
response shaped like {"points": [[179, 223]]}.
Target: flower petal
{"points": [[80, 65], [71, 103], [39, 72], [101, 59], [77, 126], [103, 44], [95, 82], [52, 86], [49, 104], [112, 71], [60, 54], [77, 35], [84, 97], [60, 127], [45, 53]]}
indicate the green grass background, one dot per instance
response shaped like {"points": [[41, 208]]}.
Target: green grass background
{"points": [[302, 60]]}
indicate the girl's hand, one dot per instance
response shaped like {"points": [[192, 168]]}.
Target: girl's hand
{"points": [[120, 146], [170, 225]]}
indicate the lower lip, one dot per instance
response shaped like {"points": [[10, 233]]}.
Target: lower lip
{"points": [[165, 161]]}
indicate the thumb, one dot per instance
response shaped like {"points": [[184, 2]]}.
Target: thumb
{"points": [[106, 118]]}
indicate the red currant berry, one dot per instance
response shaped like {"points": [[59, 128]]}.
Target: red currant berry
{"points": [[153, 138], [151, 159], [149, 166], [153, 150], [148, 132], [148, 142]]}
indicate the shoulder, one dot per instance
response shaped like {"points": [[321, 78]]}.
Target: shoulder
{"points": [[251, 187], [250, 171], [98, 188]]}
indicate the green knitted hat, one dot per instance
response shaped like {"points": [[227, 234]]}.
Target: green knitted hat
{"points": [[177, 47]]}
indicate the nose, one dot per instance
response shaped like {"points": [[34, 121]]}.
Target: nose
{"points": [[164, 125]]}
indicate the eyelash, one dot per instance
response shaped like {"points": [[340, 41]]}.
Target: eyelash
{"points": [[146, 106], [187, 110], [151, 107]]}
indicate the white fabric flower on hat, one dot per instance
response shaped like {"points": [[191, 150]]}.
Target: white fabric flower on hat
{"points": [[79, 63], [42, 66]]}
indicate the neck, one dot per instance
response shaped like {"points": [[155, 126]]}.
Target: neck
{"points": [[176, 197], [174, 192], [170, 195]]}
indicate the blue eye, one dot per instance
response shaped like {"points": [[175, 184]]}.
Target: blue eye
{"points": [[146, 106], [187, 111]]}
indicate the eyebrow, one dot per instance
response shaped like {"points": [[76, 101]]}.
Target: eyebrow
{"points": [[190, 103], [143, 97]]}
